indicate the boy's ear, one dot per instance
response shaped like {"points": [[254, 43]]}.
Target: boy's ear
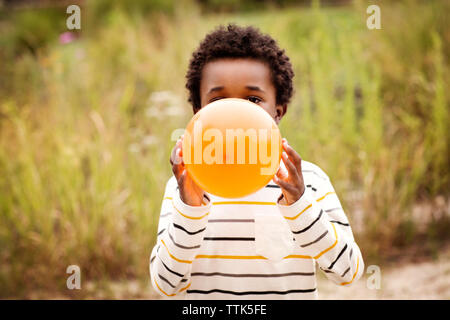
{"points": [[280, 111]]}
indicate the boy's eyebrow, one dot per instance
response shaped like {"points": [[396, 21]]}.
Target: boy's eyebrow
{"points": [[215, 89], [254, 88]]}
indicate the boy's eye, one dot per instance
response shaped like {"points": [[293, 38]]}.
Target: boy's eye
{"points": [[254, 99], [215, 99]]}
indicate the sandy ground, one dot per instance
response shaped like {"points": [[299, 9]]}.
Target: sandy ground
{"points": [[424, 280]]}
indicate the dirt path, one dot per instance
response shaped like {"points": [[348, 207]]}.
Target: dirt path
{"points": [[424, 280]]}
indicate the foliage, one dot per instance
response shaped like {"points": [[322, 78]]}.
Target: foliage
{"points": [[85, 127]]}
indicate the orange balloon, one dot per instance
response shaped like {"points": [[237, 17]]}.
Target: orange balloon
{"points": [[232, 148]]}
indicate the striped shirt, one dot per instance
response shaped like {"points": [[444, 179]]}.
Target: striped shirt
{"points": [[254, 247]]}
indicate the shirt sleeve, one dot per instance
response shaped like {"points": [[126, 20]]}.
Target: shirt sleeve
{"points": [[180, 232], [321, 228]]}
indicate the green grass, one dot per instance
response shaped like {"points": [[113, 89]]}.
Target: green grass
{"points": [[85, 130]]}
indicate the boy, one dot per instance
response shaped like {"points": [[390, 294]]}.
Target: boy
{"points": [[265, 245]]}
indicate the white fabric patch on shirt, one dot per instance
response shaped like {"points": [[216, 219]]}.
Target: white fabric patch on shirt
{"points": [[273, 237]]}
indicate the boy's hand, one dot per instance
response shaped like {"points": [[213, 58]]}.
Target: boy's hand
{"points": [[290, 181], [190, 193]]}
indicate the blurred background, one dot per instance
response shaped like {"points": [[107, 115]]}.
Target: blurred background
{"points": [[86, 118]]}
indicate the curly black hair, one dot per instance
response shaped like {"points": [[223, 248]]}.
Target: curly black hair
{"points": [[240, 42]]}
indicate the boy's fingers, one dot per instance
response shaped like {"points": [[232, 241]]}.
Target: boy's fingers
{"points": [[293, 156], [178, 157], [181, 178], [172, 155], [177, 170], [177, 163], [180, 145], [174, 151], [292, 170], [283, 184], [280, 179], [282, 173]]}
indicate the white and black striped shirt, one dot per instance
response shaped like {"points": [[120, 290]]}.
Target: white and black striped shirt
{"points": [[253, 247]]}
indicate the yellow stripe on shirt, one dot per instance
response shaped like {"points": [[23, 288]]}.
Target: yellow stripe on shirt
{"points": [[218, 256], [189, 217], [172, 256], [181, 290], [326, 194], [354, 275], [298, 215], [332, 246], [297, 256], [246, 202], [169, 295]]}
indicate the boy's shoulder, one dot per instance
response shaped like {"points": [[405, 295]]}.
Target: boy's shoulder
{"points": [[314, 170], [171, 185]]}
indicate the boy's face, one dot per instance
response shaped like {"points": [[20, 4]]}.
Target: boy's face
{"points": [[243, 78]]}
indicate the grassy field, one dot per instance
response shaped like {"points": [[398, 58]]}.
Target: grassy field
{"points": [[85, 129]]}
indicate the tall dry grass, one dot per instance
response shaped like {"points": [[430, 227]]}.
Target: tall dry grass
{"points": [[85, 130]]}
